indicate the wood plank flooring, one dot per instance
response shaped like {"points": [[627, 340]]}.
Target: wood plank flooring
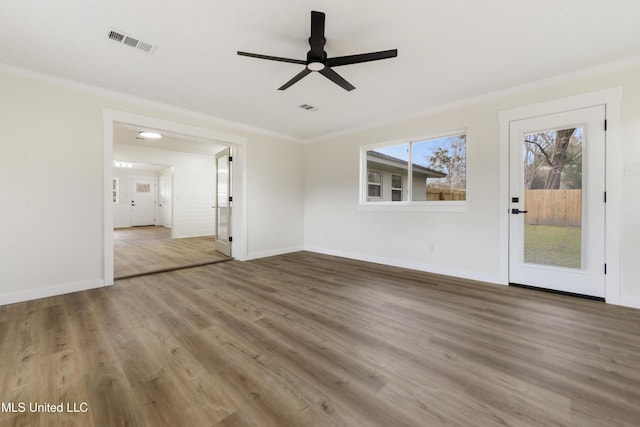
{"points": [[310, 340], [145, 250]]}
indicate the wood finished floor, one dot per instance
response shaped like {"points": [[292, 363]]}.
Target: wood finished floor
{"points": [[144, 250], [311, 340]]}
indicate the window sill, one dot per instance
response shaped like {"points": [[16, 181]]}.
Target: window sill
{"points": [[446, 206]]}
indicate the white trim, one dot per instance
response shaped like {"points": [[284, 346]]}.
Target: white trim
{"points": [[408, 205], [629, 301], [107, 220], [515, 90], [49, 291], [611, 98], [411, 265], [239, 170], [99, 91], [273, 252], [527, 87]]}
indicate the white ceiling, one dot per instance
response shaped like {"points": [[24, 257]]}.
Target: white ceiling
{"points": [[128, 135], [447, 51]]}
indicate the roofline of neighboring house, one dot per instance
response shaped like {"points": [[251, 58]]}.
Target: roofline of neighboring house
{"points": [[403, 165]]}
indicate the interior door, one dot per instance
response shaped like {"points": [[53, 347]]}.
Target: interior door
{"points": [[143, 201], [162, 197], [557, 206], [223, 202], [165, 196]]}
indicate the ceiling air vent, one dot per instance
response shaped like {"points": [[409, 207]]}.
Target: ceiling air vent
{"points": [[123, 38]]}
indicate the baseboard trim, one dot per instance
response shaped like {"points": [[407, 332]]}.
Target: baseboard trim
{"points": [[51, 291], [412, 265], [627, 301], [274, 252]]}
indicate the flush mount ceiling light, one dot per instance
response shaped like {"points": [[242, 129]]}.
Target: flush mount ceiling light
{"points": [[150, 135]]}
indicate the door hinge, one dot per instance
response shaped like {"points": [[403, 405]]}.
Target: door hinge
{"points": [[605, 124], [605, 268], [605, 197], [231, 198], [230, 239], [231, 158]]}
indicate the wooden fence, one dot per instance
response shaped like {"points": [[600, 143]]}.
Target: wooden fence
{"points": [[445, 194], [553, 207]]}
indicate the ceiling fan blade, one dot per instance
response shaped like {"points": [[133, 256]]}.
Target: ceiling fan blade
{"points": [[363, 57], [317, 40], [336, 78], [272, 58], [296, 79]]}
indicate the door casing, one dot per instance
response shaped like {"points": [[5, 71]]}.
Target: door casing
{"points": [[611, 98], [589, 278], [224, 197]]}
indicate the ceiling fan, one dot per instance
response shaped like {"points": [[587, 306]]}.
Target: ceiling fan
{"points": [[317, 58]]}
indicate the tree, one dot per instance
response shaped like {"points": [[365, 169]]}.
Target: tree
{"points": [[450, 158], [546, 156]]}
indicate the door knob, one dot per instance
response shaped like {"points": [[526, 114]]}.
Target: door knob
{"points": [[516, 211]]}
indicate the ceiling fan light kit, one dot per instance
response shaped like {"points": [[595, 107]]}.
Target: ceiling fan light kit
{"points": [[317, 60]]}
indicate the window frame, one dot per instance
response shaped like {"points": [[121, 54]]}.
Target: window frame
{"points": [[396, 188], [379, 184], [407, 204]]}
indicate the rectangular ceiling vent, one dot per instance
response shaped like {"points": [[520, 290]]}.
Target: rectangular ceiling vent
{"points": [[307, 107], [120, 37]]}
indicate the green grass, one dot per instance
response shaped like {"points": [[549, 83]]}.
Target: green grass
{"points": [[553, 245]]}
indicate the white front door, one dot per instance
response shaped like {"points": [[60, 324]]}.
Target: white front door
{"points": [[223, 202], [143, 201], [557, 205]]}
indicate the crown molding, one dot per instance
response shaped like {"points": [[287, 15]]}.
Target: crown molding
{"points": [[502, 93], [108, 93]]}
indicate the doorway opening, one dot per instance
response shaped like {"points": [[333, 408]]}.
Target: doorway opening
{"points": [[148, 236], [180, 214]]}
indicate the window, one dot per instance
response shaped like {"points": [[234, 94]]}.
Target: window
{"points": [[374, 185], [115, 190], [396, 188], [431, 170]]}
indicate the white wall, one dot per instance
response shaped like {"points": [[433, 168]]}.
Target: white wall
{"points": [[276, 195], [52, 161], [469, 243], [193, 187]]}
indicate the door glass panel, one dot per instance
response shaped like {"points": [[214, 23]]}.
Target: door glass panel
{"points": [[223, 198], [553, 197]]}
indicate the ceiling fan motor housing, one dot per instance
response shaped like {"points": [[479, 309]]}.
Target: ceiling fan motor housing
{"points": [[317, 58]]}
